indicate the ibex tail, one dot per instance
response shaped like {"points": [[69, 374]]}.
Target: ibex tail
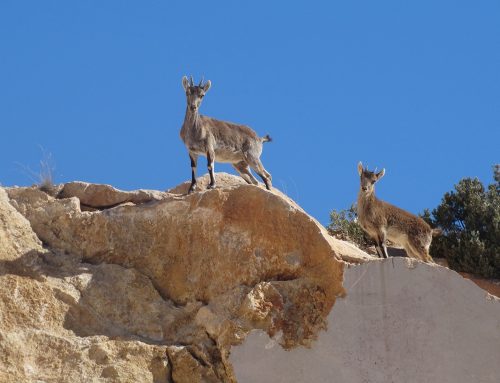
{"points": [[436, 232], [266, 138]]}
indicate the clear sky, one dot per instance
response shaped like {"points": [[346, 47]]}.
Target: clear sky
{"points": [[410, 86]]}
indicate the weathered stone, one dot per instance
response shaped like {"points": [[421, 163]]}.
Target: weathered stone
{"points": [[106, 196], [46, 300], [160, 287], [170, 273], [188, 368], [196, 247], [16, 236], [401, 321]]}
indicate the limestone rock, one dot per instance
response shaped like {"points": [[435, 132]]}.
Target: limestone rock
{"points": [[401, 321], [16, 236], [189, 368], [181, 277], [223, 180], [194, 247], [103, 285], [106, 196], [46, 300]]}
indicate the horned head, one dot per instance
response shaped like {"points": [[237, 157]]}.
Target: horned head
{"points": [[369, 178], [195, 93]]}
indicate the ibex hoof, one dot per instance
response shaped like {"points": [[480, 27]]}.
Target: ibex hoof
{"points": [[211, 186], [192, 188]]}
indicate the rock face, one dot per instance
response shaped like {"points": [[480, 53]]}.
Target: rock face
{"points": [[401, 321], [100, 284], [161, 285], [47, 304]]}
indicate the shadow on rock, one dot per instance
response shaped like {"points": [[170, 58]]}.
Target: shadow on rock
{"points": [[107, 299]]}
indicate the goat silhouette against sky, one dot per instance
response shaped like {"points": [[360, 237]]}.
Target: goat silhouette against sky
{"points": [[219, 140]]}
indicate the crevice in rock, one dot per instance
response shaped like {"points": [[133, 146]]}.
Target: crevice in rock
{"points": [[283, 277], [84, 207], [219, 358], [197, 355], [171, 367]]}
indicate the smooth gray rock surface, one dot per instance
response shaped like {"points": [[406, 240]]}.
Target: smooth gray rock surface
{"points": [[401, 321]]}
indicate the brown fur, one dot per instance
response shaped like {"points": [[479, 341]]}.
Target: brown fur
{"points": [[383, 221], [220, 140]]}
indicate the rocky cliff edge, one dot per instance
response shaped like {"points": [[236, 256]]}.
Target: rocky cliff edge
{"points": [[99, 284]]}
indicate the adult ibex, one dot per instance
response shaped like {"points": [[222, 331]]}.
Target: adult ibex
{"points": [[219, 140], [383, 221]]}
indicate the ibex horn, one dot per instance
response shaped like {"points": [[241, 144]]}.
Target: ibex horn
{"points": [[191, 80], [201, 81]]}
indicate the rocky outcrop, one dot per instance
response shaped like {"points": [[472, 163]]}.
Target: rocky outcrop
{"points": [[16, 236], [193, 248], [159, 285], [401, 321], [95, 197], [99, 284], [46, 301]]}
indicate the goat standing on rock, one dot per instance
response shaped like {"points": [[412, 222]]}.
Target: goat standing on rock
{"points": [[219, 140], [383, 221]]}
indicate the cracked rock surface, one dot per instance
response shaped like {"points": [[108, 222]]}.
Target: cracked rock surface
{"points": [[104, 285]]}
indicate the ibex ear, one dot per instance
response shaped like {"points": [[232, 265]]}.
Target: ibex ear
{"points": [[185, 83], [380, 174], [360, 168], [207, 86]]}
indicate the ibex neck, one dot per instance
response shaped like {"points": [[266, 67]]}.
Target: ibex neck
{"points": [[191, 120], [365, 199], [191, 115]]}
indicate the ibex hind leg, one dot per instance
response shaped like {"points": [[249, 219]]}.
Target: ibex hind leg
{"points": [[244, 171], [418, 251], [381, 245], [381, 251], [428, 257], [378, 249], [259, 169]]}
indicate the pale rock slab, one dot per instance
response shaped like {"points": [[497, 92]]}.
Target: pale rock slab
{"points": [[401, 321]]}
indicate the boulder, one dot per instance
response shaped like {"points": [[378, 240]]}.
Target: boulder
{"points": [[183, 276], [105, 196]]}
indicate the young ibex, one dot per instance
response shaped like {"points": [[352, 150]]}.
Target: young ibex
{"points": [[383, 221], [219, 140]]}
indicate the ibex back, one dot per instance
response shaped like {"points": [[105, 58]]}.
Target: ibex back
{"points": [[383, 221], [219, 140]]}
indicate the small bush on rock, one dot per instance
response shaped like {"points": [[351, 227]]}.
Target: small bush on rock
{"points": [[343, 225], [470, 219]]}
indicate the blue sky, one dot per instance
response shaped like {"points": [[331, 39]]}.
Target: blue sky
{"points": [[410, 86]]}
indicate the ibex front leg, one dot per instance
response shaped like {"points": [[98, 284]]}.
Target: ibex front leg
{"points": [[210, 165], [194, 160], [381, 242]]}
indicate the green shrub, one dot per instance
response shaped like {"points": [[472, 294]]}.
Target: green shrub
{"points": [[470, 219], [343, 225]]}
